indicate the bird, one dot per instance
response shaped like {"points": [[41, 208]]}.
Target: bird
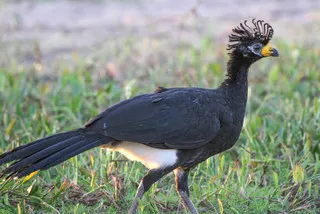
{"points": [[168, 130]]}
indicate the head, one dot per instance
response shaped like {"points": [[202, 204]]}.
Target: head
{"points": [[252, 43]]}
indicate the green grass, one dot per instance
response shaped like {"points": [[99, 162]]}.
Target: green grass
{"points": [[274, 167]]}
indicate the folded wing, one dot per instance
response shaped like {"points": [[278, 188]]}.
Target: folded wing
{"points": [[174, 118]]}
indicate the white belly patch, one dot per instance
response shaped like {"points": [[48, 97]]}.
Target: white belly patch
{"points": [[152, 158]]}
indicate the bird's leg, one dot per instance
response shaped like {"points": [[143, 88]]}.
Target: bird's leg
{"points": [[146, 182], [183, 190]]}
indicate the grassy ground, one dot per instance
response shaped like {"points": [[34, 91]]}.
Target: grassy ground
{"points": [[274, 167]]}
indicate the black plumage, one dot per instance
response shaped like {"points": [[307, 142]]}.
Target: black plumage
{"points": [[177, 118], [172, 129]]}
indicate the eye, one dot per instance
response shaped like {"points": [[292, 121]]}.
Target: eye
{"points": [[256, 47]]}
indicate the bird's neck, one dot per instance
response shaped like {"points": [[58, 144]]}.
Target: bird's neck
{"points": [[236, 86], [237, 74]]}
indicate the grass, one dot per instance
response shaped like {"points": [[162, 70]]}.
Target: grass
{"points": [[274, 167]]}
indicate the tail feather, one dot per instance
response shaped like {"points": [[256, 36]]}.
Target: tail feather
{"points": [[74, 153], [47, 152], [52, 161], [41, 154], [33, 147]]}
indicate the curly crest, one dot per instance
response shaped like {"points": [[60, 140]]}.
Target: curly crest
{"points": [[261, 31]]}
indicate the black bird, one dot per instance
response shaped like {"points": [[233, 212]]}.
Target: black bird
{"points": [[172, 129]]}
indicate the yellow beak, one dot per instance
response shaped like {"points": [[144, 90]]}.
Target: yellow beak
{"points": [[269, 51]]}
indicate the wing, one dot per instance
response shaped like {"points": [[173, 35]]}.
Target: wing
{"points": [[184, 118]]}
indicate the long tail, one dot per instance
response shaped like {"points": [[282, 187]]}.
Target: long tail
{"points": [[50, 151]]}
